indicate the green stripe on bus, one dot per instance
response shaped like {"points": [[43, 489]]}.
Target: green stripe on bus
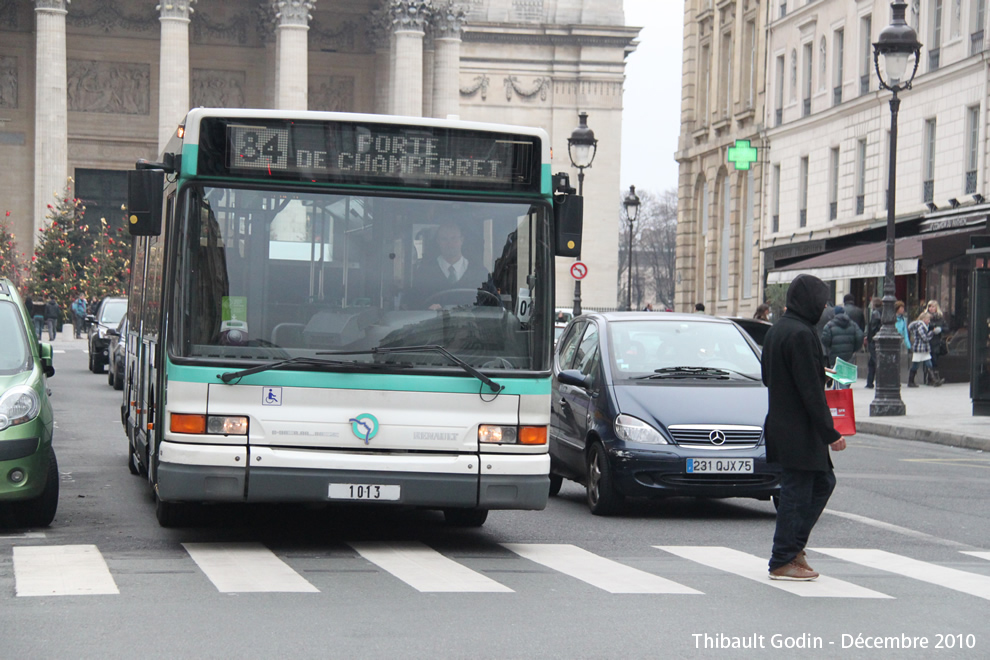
{"points": [[351, 381], [190, 159], [546, 182]]}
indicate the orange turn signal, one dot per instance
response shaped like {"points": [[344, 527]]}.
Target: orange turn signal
{"points": [[188, 423], [532, 435]]}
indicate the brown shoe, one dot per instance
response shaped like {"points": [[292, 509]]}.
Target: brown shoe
{"points": [[793, 571], [802, 561]]}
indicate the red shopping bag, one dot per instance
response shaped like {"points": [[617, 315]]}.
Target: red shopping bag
{"points": [[840, 402]]}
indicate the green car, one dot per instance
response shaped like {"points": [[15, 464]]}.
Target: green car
{"points": [[28, 470]]}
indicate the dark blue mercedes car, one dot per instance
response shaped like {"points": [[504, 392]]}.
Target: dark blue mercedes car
{"points": [[656, 405]]}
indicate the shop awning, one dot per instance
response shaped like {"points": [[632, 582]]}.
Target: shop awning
{"points": [[858, 261]]}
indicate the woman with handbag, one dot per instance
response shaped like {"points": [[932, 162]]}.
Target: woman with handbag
{"points": [[939, 327], [921, 335]]}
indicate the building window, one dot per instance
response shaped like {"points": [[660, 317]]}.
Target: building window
{"points": [[703, 83], [723, 274], [808, 67], [972, 146], [778, 101], [725, 75], [803, 215], [747, 243], [750, 69], [838, 49], [865, 53], [860, 176], [935, 38], [833, 184], [976, 36], [928, 186], [794, 68], [775, 221], [783, 8]]}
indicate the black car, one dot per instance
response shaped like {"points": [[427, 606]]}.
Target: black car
{"points": [[117, 355], [655, 405], [107, 316], [755, 328]]}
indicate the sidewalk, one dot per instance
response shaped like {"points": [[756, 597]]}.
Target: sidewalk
{"points": [[942, 415]]}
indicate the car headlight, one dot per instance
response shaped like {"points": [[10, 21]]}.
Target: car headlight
{"points": [[18, 405], [630, 429], [102, 332]]}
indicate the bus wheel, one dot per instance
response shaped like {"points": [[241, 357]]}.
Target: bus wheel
{"points": [[556, 481], [465, 517], [171, 514]]}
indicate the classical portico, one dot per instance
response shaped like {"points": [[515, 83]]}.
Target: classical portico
{"points": [[87, 88]]}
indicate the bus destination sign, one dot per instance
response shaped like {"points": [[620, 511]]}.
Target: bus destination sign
{"points": [[383, 153]]}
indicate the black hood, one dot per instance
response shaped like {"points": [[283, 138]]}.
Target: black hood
{"points": [[806, 298]]}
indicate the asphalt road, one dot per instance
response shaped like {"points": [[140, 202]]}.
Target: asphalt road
{"points": [[664, 579]]}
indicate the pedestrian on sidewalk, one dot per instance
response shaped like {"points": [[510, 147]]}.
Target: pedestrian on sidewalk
{"points": [[78, 315], [762, 312], [872, 328], [841, 338], [51, 317], [853, 311], [938, 339], [901, 324], [798, 429], [921, 335]]}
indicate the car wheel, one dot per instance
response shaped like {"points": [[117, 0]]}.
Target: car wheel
{"points": [[465, 517], [40, 512], [118, 380], [602, 498], [92, 359], [110, 378], [556, 481]]}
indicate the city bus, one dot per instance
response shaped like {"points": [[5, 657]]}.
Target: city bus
{"points": [[293, 335]]}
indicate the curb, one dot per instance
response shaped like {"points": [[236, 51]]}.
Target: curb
{"points": [[938, 437]]}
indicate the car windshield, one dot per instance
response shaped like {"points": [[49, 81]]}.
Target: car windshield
{"points": [[271, 275], [113, 311], [642, 348], [16, 354]]}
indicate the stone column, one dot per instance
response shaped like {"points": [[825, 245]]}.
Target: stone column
{"points": [[173, 67], [429, 59], [51, 135], [292, 72], [409, 18], [379, 32], [448, 22]]}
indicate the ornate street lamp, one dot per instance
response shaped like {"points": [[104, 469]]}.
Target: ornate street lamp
{"points": [[631, 204], [581, 147], [895, 46]]}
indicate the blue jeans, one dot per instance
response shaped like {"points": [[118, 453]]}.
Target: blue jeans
{"points": [[803, 496], [39, 322]]}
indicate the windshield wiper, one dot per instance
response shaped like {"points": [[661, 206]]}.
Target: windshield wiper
{"points": [[428, 348], [687, 372], [304, 360]]}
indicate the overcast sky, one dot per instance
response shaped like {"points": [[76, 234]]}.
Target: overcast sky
{"points": [[651, 118]]}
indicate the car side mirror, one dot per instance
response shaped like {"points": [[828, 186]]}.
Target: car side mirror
{"points": [[574, 377], [46, 359], [112, 332]]}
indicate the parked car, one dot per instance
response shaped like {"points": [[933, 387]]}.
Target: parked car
{"points": [[755, 328], [117, 355], [107, 316], [29, 470], [655, 405]]}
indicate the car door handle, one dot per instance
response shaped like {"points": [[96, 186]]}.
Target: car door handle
{"points": [[564, 404]]}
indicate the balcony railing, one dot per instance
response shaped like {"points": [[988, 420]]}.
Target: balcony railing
{"points": [[970, 182], [928, 190], [860, 204], [806, 107], [803, 218], [976, 42], [837, 95], [864, 84], [775, 223], [833, 210], [933, 59]]}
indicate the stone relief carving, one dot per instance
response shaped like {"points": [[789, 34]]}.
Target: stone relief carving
{"points": [[409, 14], [333, 94], [477, 9], [540, 86], [479, 84], [265, 21], [206, 30], [327, 38], [448, 20], [378, 28], [293, 12], [8, 81], [176, 8], [9, 15], [111, 87], [106, 16], [215, 88], [528, 11]]}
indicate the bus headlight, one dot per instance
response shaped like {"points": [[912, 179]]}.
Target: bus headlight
{"points": [[512, 435], [213, 424], [227, 425], [18, 405]]}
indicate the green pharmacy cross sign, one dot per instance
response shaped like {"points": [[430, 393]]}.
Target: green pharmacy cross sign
{"points": [[742, 154]]}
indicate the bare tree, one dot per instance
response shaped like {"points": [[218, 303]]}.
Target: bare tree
{"points": [[654, 249]]}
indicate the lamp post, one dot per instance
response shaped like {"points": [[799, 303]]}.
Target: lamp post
{"points": [[581, 147], [895, 46], [631, 204]]}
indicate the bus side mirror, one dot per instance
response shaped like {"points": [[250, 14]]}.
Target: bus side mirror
{"points": [[568, 220], [144, 202]]}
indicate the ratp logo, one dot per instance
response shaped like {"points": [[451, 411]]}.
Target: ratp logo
{"points": [[364, 426]]}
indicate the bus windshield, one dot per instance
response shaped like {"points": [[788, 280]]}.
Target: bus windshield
{"points": [[275, 274]]}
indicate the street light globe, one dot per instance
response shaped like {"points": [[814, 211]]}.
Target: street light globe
{"points": [[631, 203], [896, 45], [582, 145]]}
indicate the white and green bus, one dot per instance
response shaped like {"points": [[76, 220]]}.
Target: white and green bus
{"points": [[342, 308]]}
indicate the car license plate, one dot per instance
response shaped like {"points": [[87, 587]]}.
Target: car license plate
{"points": [[363, 492], [720, 465]]}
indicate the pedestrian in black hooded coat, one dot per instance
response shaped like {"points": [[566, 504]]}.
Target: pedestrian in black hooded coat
{"points": [[798, 428]]}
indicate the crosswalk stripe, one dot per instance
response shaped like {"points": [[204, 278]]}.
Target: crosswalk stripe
{"points": [[755, 568], [246, 568], [425, 569], [61, 570], [951, 578], [980, 554], [597, 571]]}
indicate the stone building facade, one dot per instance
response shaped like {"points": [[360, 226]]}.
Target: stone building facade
{"points": [[89, 86]]}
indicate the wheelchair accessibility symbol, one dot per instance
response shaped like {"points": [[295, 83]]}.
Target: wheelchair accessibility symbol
{"points": [[271, 396]]}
